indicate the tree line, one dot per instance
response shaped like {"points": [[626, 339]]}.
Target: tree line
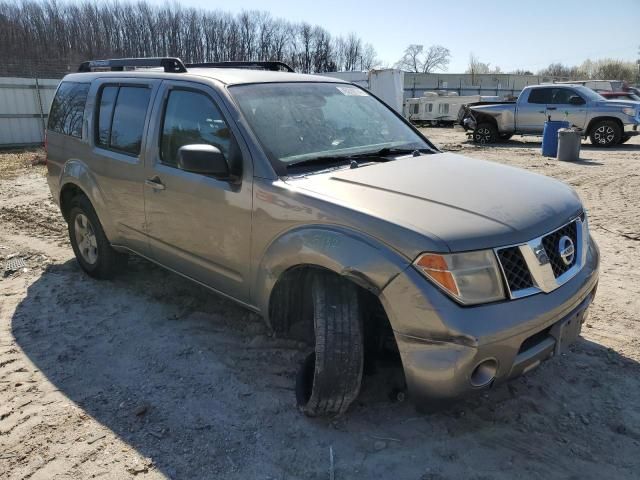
{"points": [[49, 37], [603, 69]]}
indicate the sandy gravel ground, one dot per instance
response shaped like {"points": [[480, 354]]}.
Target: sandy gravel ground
{"points": [[149, 376]]}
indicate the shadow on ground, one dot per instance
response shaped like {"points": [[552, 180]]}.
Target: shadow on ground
{"points": [[191, 381]]}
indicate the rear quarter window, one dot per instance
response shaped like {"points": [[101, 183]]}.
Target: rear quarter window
{"points": [[67, 109]]}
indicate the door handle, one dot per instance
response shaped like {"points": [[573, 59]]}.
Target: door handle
{"points": [[155, 183]]}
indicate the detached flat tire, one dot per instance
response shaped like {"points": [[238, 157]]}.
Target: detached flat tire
{"points": [[329, 379]]}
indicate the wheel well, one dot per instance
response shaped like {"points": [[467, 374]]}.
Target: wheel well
{"points": [[600, 119], [484, 118], [68, 193], [290, 313]]}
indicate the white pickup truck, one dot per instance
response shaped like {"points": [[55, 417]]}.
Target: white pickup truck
{"points": [[605, 122]]}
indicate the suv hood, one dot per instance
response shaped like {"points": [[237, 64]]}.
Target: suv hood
{"points": [[468, 204]]}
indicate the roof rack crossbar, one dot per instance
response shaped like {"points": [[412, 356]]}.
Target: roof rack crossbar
{"points": [[170, 64], [275, 66]]}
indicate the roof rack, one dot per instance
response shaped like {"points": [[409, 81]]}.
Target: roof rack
{"points": [[272, 65], [170, 64]]}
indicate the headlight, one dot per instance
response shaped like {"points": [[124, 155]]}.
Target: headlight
{"points": [[629, 111], [469, 277]]}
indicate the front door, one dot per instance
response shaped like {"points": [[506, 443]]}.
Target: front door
{"points": [[563, 109], [197, 225]]}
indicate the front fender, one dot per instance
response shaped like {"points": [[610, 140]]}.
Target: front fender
{"points": [[77, 173], [355, 255]]}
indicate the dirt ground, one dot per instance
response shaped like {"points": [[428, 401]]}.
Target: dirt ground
{"points": [[150, 376]]}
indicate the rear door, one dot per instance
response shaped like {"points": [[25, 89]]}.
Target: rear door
{"points": [[118, 131], [198, 225], [532, 110]]}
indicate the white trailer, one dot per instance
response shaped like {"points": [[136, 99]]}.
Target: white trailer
{"points": [[387, 84], [439, 108]]}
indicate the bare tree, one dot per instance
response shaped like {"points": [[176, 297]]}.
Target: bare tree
{"points": [[476, 67], [52, 36], [608, 69], [410, 60], [521, 71], [436, 57], [417, 59], [368, 59], [560, 70]]}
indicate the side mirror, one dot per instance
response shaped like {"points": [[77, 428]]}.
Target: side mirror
{"points": [[576, 100], [204, 159]]}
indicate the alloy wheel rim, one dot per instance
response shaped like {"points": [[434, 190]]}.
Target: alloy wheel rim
{"points": [[483, 135], [604, 134], [86, 239]]}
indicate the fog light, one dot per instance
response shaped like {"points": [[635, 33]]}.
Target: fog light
{"points": [[484, 373]]}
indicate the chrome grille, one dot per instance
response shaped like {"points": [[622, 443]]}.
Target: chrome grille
{"points": [[551, 246], [537, 266], [515, 269]]}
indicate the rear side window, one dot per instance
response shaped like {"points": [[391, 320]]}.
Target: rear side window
{"points": [[67, 109], [540, 95], [121, 116], [191, 118]]}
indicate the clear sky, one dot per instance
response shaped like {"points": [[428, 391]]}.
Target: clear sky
{"points": [[510, 34]]}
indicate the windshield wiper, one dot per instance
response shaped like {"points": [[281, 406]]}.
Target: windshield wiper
{"points": [[380, 155], [326, 161], [390, 151]]}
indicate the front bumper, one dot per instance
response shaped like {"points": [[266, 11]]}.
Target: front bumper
{"points": [[442, 343]]}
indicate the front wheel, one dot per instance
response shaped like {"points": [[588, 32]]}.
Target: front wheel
{"points": [[329, 379], [605, 133], [485, 133]]}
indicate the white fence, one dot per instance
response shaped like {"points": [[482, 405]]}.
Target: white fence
{"points": [[24, 108]]}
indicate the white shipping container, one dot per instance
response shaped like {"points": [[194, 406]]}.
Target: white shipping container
{"points": [[388, 84]]}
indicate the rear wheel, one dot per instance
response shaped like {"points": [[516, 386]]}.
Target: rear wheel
{"points": [[485, 133], [605, 133], [90, 245], [330, 377]]}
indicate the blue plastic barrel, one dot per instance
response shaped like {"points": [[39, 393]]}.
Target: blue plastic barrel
{"points": [[550, 137]]}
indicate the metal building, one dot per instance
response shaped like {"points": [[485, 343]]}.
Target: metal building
{"points": [[492, 84], [24, 108]]}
